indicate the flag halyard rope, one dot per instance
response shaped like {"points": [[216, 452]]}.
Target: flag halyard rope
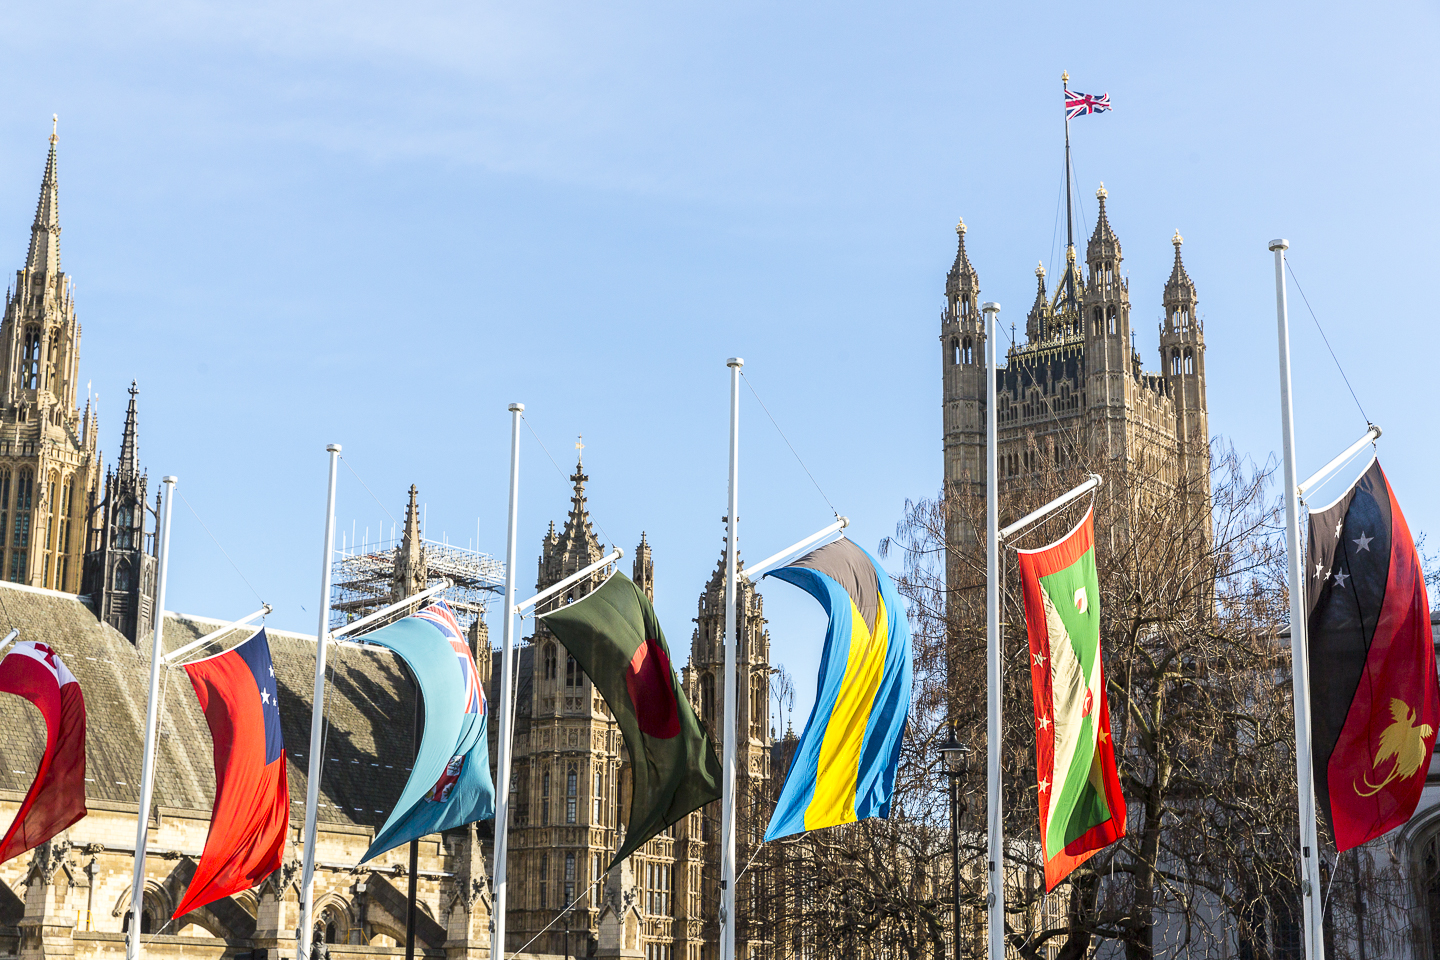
{"points": [[221, 548], [789, 444]]}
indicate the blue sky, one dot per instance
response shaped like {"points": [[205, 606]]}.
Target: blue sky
{"points": [[378, 224]]}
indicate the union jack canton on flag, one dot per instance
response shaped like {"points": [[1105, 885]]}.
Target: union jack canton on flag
{"points": [[1079, 104]]}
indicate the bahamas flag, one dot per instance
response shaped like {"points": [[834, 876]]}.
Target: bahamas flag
{"points": [[1081, 807], [844, 767], [450, 783]]}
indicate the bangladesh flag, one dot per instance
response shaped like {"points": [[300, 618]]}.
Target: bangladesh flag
{"points": [[1081, 807], [614, 636]]}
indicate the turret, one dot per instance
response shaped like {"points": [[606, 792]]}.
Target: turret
{"points": [[1038, 320], [411, 572], [1109, 368], [962, 360], [644, 569], [1182, 360]]}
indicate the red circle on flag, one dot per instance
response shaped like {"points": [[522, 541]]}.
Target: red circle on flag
{"points": [[652, 690]]}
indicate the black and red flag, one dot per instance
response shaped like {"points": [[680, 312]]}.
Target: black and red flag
{"points": [[56, 798], [237, 691], [1375, 698]]}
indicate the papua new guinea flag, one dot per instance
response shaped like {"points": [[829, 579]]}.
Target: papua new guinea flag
{"points": [[56, 798], [450, 782], [1081, 807], [251, 815], [1374, 702], [614, 636], [844, 766]]}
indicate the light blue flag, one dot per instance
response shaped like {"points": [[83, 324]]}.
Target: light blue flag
{"points": [[450, 782]]}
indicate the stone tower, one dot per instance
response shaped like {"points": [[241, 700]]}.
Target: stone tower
{"points": [[120, 564], [1074, 393], [49, 462], [567, 770]]}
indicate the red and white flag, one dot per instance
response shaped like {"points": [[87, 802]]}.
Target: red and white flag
{"points": [[57, 797]]}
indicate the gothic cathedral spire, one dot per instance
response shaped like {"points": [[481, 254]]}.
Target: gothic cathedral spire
{"points": [[49, 461]]}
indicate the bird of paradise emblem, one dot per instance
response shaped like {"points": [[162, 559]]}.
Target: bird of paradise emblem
{"points": [[1403, 741]]}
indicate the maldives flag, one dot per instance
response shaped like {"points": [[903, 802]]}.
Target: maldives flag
{"points": [[613, 634], [237, 691], [1374, 697], [1081, 807], [56, 798]]}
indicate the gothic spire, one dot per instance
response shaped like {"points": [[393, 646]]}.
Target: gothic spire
{"points": [[44, 256], [1104, 245], [1035, 321], [577, 528], [962, 280], [1179, 287], [129, 465], [412, 517]]}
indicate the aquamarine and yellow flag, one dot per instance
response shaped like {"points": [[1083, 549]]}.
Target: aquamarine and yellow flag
{"points": [[844, 767]]}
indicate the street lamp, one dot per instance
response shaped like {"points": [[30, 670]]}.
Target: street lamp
{"points": [[957, 762]]}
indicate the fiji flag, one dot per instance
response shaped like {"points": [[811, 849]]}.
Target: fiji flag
{"points": [[450, 782], [237, 691], [844, 766]]}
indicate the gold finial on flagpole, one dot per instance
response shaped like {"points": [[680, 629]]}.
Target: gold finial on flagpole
{"points": [[1065, 77]]}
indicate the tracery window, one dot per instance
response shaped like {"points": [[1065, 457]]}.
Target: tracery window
{"points": [[707, 696], [30, 359], [572, 672], [545, 797], [549, 661], [571, 797], [569, 878], [20, 538]]}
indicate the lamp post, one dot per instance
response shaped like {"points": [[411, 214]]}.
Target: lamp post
{"points": [[957, 764]]}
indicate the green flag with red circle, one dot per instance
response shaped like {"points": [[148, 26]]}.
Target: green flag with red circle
{"points": [[614, 636]]}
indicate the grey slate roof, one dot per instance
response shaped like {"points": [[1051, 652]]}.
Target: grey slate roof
{"points": [[370, 706]]}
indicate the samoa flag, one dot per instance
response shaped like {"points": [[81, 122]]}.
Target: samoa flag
{"points": [[251, 815], [450, 782], [1374, 694], [56, 798]]}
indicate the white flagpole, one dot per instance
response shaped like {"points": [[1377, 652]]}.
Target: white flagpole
{"points": [[303, 935], [995, 831], [1310, 887], [152, 721], [732, 642], [507, 706]]}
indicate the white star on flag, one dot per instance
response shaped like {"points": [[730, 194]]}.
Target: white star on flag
{"points": [[1339, 525], [272, 666], [264, 696], [1044, 723], [1044, 785], [1318, 568], [1039, 660], [1363, 543], [1340, 577]]}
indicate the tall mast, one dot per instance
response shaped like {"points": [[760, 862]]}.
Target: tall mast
{"points": [[1070, 296]]}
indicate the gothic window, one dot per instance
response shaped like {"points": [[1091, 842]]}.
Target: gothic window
{"points": [[1174, 362], [954, 351], [122, 576], [545, 797], [598, 796], [571, 797], [707, 697], [757, 706], [30, 360], [1189, 361], [1110, 315], [544, 879], [4, 506], [572, 672], [124, 526], [569, 878], [20, 538], [599, 872], [969, 351], [549, 661], [50, 356]]}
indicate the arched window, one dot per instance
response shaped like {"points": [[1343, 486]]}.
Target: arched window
{"points": [[545, 797], [1174, 361], [122, 576], [968, 354], [954, 351], [30, 359], [757, 706], [572, 672], [1189, 361], [20, 537], [1110, 319], [549, 661], [544, 879], [597, 797], [569, 877], [707, 696], [571, 787]]}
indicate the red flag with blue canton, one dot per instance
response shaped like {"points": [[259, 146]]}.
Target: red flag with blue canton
{"points": [[1079, 104], [251, 815]]}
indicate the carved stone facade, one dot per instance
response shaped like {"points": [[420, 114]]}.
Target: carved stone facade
{"points": [[49, 462], [1075, 390]]}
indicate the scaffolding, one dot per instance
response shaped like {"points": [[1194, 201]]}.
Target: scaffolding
{"points": [[362, 579]]}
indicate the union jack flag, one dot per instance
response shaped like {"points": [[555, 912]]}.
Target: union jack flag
{"points": [[1079, 104], [444, 620]]}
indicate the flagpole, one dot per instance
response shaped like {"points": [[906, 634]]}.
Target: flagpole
{"points": [[732, 642], [1299, 653], [507, 706], [303, 936], [995, 829], [152, 721]]}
